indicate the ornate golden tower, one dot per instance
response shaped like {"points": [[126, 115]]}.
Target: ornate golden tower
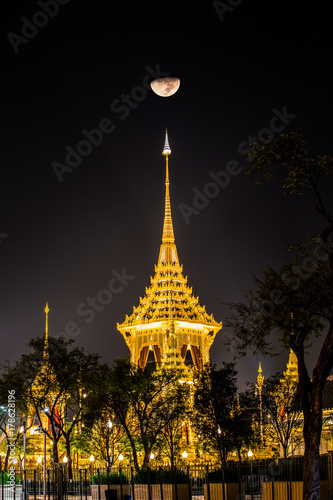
{"points": [[169, 326], [45, 377]]}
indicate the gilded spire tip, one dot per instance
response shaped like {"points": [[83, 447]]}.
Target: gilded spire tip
{"points": [[166, 149], [46, 335]]}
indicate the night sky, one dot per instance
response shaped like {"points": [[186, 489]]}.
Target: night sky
{"points": [[62, 242]]}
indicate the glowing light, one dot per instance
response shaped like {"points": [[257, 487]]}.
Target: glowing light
{"points": [[64, 459], [91, 458], [109, 424], [184, 454], [152, 456], [121, 458], [39, 460], [249, 453]]}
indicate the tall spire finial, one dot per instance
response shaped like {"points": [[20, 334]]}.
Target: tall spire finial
{"points": [[46, 338], [166, 149], [168, 236], [168, 251]]}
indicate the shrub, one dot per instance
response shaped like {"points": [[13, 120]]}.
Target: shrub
{"points": [[114, 478], [164, 476], [5, 478]]}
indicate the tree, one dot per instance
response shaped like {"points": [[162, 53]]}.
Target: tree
{"points": [[100, 439], [303, 288], [12, 411], [81, 379], [145, 401], [213, 405], [282, 409], [169, 440], [245, 434], [11, 434]]}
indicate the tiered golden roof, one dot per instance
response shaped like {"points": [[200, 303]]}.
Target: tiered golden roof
{"points": [[169, 320]]}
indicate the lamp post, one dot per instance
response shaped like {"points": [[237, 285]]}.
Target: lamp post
{"points": [[23, 430], [91, 458], [250, 454], [108, 437], [39, 429], [121, 458]]}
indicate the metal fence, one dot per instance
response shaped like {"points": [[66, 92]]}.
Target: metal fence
{"points": [[57, 485], [251, 480]]}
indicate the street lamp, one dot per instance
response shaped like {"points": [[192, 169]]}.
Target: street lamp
{"points": [[249, 454], [39, 429], [23, 430], [91, 458]]}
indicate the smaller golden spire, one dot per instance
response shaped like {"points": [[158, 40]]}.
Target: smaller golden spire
{"points": [[259, 386], [260, 379], [46, 337]]}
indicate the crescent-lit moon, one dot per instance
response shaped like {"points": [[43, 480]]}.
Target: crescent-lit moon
{"points": [[166, 86]]}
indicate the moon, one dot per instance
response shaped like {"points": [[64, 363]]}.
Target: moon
{"points": [[166, 86]]}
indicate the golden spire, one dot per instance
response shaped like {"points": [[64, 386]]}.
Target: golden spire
{"points": [[260, 379], [168, 236], [46, 337], [259, 386], [168, 251]]}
